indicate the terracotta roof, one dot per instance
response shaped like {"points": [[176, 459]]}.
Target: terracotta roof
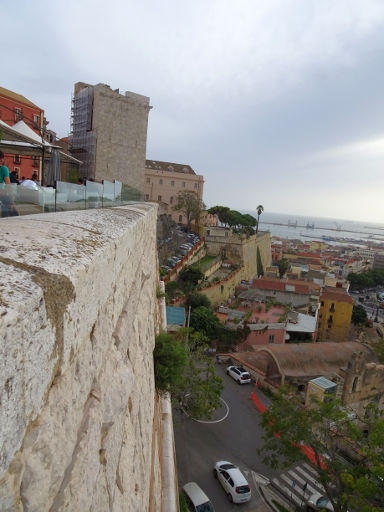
{"points": [[290, 285], [169, 167], [308, 359], [337, 294], [17, 97], [308, 255]]}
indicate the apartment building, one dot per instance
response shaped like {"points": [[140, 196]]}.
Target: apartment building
{"points": [[15, 107], [164, 180], [109, 133], [335, 314]]}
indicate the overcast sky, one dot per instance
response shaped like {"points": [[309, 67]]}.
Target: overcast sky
{"points": [[278, 102]]}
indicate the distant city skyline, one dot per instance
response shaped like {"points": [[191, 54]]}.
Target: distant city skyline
{"points": [[275, 102]]}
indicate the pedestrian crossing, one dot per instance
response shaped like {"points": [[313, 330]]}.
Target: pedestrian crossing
{"points": [[298, 483]]}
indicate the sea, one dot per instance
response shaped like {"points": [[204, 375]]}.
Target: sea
{"points": [[333, 231]]}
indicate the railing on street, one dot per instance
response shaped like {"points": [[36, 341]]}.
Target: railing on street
{"points": [[70, 196]]}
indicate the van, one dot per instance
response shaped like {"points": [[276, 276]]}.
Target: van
{"points": [[197, 500]]}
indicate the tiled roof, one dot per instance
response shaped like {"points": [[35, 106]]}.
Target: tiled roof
{"points": [[337, 294], [169, 167], [17, 97], [291, 285], [308, 359]]}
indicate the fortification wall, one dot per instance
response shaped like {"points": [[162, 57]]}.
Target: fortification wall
{"points": [[80, 421]]}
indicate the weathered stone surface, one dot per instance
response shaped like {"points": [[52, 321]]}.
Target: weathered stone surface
{"points": [[78, 314]]}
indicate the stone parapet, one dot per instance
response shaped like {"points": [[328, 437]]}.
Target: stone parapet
{"points": [[78, 314]]}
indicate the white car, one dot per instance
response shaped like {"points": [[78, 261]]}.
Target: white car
{"points": [[197, 500], [239, 373], [233, 481], [319, 502]]}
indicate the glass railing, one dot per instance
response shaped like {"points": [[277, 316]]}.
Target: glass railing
{"points": [[70, 196]]}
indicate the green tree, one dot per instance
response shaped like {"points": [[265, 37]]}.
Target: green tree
{"points": [[170, 361], [189, 278], [204, 320], [194, 300], [259, 209], [359, 315], [260, 269], [171, 288], [325, 427], [189, 203], [366, 279], [284, 266], [199, 392]]}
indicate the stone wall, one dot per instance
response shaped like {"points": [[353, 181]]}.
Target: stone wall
{"points": [[80, 422], [239, 249], [120, 123]]}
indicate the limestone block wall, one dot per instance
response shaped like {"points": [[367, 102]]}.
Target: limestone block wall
{"points": [[120, 122], [79, 424]]}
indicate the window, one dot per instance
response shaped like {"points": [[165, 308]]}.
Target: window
{"points": [[172, 183], [36, 118], [196, 185], [18, 114], [271, 338], [322, 303], [183, 184], [208, 232], [147, 197], [171, 199], [148, 180], [332, 308], [159, 198], [180, 218], [35, 161], [355, 383], [161, 181], [17, 159]]}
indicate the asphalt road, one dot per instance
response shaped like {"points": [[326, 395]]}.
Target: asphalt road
{"points": [[235, 439]]}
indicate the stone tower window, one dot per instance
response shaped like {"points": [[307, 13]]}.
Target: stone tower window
{"points": [[355, 384]]}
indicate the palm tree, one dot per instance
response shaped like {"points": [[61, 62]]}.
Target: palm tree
{"points": [[260, 210]]}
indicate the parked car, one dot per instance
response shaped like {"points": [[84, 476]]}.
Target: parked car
{"points": [[239, 373], [197, 500], [233, 481], [318, 502]]}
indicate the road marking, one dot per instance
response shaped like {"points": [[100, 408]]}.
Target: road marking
{"points": [[259, 479], [213, 421]]}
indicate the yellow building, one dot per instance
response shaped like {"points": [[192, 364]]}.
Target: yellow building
{"points": [[334, 315]]}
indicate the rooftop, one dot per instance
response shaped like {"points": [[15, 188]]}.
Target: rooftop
{"points": [[17, 97], [169, 167], [337, 294], [307, 359]]}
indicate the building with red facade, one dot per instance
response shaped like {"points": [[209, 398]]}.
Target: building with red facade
{"points": [[14, 108]]}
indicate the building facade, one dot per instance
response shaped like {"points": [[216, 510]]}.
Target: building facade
{"points": [[335, 315], [109, 133], [378, 261], [15, 107], [239, 249], [164, 180]]}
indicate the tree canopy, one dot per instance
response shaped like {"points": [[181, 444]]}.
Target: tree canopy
{"points": [[284, 266], [366, 279], [327, 428], [194, 300], [359, 314], [239, 222], [189, 278], [183, 369], [189, 203]]}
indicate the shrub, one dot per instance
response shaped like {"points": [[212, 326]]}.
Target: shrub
{"points": [[170, 359]]}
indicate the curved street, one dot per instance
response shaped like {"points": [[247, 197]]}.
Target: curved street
{"points": [[236, 439]]}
